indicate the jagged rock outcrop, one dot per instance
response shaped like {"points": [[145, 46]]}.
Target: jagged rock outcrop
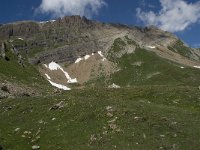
{"points": [[6, 47], [70, 37], [26, 28], [3, 53], [8, 89]]}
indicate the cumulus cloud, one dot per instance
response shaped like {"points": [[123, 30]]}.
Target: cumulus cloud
{"points": [[174, 16], [60, 8]]}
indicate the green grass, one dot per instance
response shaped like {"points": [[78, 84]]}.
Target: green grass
{"points": [[149, 118], [118, 45], [169, 73], [180, 48], [12, 71]]}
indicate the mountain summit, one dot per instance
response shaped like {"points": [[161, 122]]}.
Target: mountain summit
{"points": [[73, 52]]}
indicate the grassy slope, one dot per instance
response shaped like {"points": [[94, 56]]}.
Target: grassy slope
{"points": [[153, 70], [168, 117], [169, 73], [29, 75], [180, 48]]}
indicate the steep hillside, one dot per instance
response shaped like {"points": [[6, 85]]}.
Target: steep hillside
{"points": [[17, 76]]}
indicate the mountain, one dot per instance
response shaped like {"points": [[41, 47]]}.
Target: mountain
{"points": [[94, 53], [74, 83]]}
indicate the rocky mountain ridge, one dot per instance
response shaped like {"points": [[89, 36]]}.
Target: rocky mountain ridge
{"points": [[71, 38], [67, 38]]}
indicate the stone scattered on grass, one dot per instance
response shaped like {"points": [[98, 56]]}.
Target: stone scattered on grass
{"points": [[23, 136], [36, 139], [59, 105], [95, 138], [105, 132], [35, 147], [109, 108], [162, 135], [114, 86], [144, 136], [109, 114], [40, 121], [137, 118], [113, 126], [17, 129], [53, 119], [27, 132], [174, 123]]}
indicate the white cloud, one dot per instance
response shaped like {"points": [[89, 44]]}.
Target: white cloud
{"points": [[60, 8], [175, 15]]}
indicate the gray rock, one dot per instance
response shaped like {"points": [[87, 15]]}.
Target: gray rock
{"points": [[58, 106], [35, 147]]}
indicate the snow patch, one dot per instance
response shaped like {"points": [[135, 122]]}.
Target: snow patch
{"points": [[152, 47], [55, 66], [86, 57], [48, 77], [114, 86], [42, 22], [72, 80], [63, 87], [78, 60], [103, 58], [197, 67]]}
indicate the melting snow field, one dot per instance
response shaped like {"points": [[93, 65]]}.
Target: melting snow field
{"points": [[197, 67], [103, 58], [59, 86], [84, 58], [152, 47], [48, 77], [88, 56], [54, 66], [78, 60]]}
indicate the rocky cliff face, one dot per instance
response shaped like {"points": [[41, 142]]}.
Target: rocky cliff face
{"points": [[99, 47], [67, 38]]}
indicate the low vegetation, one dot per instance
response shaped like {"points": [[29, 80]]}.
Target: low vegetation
{"points": [[144, 117], [180, 48]]}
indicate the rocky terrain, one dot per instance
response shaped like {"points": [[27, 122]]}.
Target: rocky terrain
{"points": [[74, 38]]}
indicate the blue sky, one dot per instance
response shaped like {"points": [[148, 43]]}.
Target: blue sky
{"points": [[179, 16]]}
